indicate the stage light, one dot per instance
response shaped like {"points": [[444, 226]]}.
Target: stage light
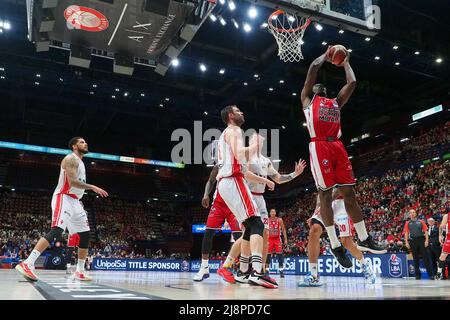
{"points": [[252, 12]]}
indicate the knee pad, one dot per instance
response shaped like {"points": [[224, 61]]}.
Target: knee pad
{"points": [[208, 241], [256, 226], [84, 240], [54, 234], [237, 235], [247, 234]]}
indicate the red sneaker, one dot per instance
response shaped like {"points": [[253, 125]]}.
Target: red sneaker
{"points": [[81, 276], [226, 274], [25, 270]]}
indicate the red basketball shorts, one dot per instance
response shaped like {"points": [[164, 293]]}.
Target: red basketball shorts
{"points": [[330, 165], [275, 245], [446, 246], [218, 213]]}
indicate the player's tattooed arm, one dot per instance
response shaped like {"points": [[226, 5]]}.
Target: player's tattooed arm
{"points": [[311, 78], [283, 178], [70, 165]]}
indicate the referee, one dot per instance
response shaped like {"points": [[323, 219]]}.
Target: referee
{"points": [[416, 239]]}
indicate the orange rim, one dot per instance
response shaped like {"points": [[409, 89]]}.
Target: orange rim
{"points": [[278, 12]]}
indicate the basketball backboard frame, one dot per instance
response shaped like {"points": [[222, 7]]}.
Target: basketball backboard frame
{"points": [[321, 11]]}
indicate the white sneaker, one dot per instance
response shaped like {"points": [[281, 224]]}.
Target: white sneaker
{"points": [[368, 273], [27, 270], [202, 274], [81, 275]]}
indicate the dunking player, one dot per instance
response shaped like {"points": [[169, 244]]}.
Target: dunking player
{"points": [[68, 212], [234, 191], [276, 226], [445, 223], [330, 165], [346, 234], [217, 215]]}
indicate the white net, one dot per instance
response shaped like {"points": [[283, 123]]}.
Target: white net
{"points": [[288, 31]]}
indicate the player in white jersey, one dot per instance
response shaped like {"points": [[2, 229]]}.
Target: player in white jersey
{"points": [[233, 189], [346, 236], [263, 167], [67, 211]]}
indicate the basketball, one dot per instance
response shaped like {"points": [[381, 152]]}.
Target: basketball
{"points": [[337, 54]]}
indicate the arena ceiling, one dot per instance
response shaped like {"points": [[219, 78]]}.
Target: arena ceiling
{"points": [[44, 101]]}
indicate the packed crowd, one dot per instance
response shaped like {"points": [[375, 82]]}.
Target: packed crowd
{"points": [[385, 202]]}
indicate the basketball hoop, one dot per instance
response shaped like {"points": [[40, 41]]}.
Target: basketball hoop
{"points": [[288, 31]]}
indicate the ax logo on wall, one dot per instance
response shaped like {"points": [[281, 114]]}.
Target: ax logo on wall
{"points": [[84, 18], [395, 266]]}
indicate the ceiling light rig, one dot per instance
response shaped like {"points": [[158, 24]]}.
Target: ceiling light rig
{"points": [[252, 12]]}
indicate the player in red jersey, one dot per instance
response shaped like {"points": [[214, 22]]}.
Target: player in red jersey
{"points": [[445, 223], [330, 165], [218, 214], [276, 226]]}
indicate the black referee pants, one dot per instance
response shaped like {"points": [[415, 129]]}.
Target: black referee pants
{"points": [[419, 251]]}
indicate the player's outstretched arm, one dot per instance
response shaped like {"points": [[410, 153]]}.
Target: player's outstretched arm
{"points": [[283, 178], [209, 186], [70, 165], [251, 177], [311, 78], [347, 90]]}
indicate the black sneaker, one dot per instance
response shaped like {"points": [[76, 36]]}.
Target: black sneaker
{"points": [[369, 245], [438, 276], [281, 274], [262, 280], [242, 277], [341, 257]]}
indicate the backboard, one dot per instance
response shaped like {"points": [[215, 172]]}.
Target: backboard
{"points": [[360, 16]]}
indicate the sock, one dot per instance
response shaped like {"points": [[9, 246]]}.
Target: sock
{"points": [[441, 265], [80, 265], [257, 262], [333, 237], [363, 261], [243, 263], [32, 257], [228, 263], [205, 263], [361, 230], [313, 269]]}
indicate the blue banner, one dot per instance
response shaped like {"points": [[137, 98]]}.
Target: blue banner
{"points": [[139, 265], [93, 155], [200, 228], [384, 265]]}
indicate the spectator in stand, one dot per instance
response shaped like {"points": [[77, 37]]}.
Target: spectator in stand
{"points": [[416, 238]]}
